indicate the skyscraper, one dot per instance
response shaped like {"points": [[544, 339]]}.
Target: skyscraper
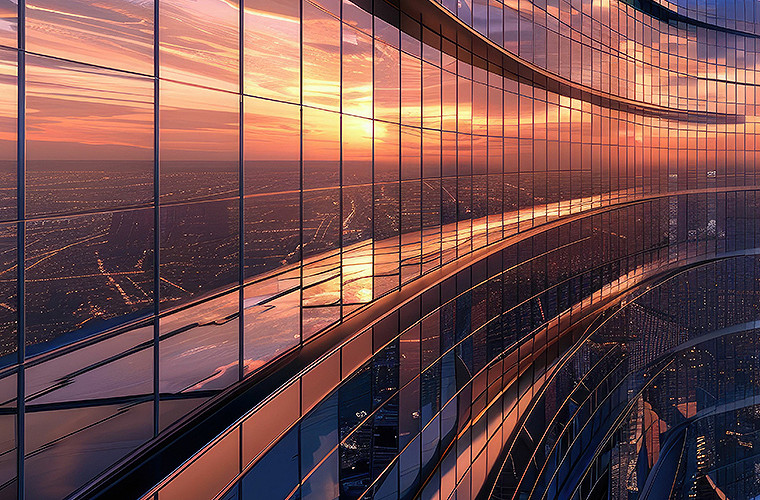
{"points": [[316, 249]]}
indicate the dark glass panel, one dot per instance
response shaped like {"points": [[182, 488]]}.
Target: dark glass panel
{"points": [[409, 470], [387, 487], [409, 355], [199, 42], [198, 250], [232, 494], [116, 34], [355, 399], [319, 433], [323, 483], [276, 474], [321, 58], [86, 274], [409, 411], [198, 349], [89, 138], [8, 457], [355, 462], [199, 139], [8, 295], [273, 49]]}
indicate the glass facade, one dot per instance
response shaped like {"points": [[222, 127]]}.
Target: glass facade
{"points": [[459, 210], [507, 378]]}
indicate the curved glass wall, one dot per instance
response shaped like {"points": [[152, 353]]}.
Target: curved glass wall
{"points": [[193, 191], [662, 397], [449, 395]]}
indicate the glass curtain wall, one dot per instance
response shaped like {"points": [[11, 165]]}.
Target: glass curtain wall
{"points": [[190, 189]]}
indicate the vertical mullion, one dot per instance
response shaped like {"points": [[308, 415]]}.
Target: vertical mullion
{"points": [[300, 179], [340, 170], [156, 216], [20, 237], [373, 250], [401, 89], [241, 207]]}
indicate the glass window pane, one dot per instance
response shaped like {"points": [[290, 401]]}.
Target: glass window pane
{"points": [[321, 149], [199, 42], [273, 49], [199, 143], [89, 138], [357, 150], [272, 318], [387, 82], [8, 134], [272, 173], [116, 34], [8, 295], [86, 274], [319, 433], [67, 447], [276, 473], [128, 373], [321, 58], [198, 349], [9, 23], [357, 72], [323, 484], [199, 250]]}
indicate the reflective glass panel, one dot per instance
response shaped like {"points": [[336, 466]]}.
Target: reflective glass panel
{"points": [[199, 250], [199, 139], [321, 58], [86, 274], [89, 138], [199, 42], [115, 34], [272, 49]]}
